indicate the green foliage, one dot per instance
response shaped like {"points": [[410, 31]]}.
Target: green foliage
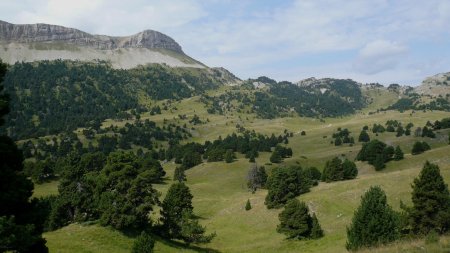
{"points": [[284, 184], [377, 153], [336, 170], [420, 147], [179, 174], [316, 230], [21, 224], [363, 136], [296, 223], [144, 243], [374, 222], [47, 89], [275, 157], [192, 231], [256, 177], [248, 206], [431, 202], [398, 154], [229, 156], [177, 216], [177, 200]]}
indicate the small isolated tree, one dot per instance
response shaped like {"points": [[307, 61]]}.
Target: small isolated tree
{"points": [[229, 156], [179, 175], [178, 199], [363, 136], [296, 223], [256, 177], [192, 231], [398, 154], [431, 202], [316, 230], [275, 157], [378, 163], [248, 206], [144, 243], [420, 147], [284, 184], [373, 223], [178, 218]]}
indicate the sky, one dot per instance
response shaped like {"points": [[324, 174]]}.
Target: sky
{"points": [[384, 41]]}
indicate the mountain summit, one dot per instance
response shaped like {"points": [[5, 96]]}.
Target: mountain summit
{"points": [[33, 42]]}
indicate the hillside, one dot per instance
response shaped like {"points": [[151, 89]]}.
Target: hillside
{"points": [[36, 42], [128, 139]]}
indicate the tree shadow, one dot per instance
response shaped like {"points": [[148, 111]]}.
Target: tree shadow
{"points": [[181, 245]]}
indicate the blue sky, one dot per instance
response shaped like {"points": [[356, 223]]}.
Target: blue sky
{"points": [[385, 41]]}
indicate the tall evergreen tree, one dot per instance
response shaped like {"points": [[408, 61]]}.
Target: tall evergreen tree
{"points": [[295, 221], [398, 154], [431, 202], [178, 218], [248, 206], [20, 226], [275, 157], [363, 136], [316, 229], [229, 156], [179, 174], [373, 223]]}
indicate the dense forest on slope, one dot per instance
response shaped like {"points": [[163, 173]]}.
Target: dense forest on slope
{"points": [[50, 97], [270, 99]]}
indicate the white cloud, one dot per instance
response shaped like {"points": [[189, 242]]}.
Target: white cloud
{"points": [[252, 36], [378, 56]]}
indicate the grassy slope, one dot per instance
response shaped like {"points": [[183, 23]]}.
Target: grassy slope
{"points": [[220, 193]]}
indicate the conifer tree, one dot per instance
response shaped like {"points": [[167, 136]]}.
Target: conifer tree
{"points": [[229, 156], [398, 154], [373, 223], [179, 174], [431, 202], [20, 224], [295, 221], [378, 163], [363, 136], [144, 243], [275, 157], [316, 230], [248, 206]]}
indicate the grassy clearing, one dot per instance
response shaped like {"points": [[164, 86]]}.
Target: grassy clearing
{"points": [[220, 193]]}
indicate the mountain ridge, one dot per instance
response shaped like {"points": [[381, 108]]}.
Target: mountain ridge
{"points": [[37, 42]]}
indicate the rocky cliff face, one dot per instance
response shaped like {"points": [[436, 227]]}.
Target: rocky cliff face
{"points": [[45, 33], [435, 85]]}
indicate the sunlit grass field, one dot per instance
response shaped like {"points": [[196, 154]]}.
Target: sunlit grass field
{"points": [[220, 191]]}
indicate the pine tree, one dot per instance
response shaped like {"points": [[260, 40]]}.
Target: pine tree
{"points": [[248, 206], [177, 200], [316, 230], [275, 157], [144, 243], [373, 223], [350, 169], [378, 163], [363, 136], [398, 154], [229, 156], [295, 221], [431, 202], [338, 141], [179, 175], [20, 224]]}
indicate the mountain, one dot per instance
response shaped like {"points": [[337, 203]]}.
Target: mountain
{"points": [[435, 85], [35, 42]]}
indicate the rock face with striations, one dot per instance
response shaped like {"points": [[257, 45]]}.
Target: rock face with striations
{"points": [[54, 33], [35, 42]]}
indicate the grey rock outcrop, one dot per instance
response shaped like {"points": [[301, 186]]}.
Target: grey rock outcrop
{"points": [[42, 33]]}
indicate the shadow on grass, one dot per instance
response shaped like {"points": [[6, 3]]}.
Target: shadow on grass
{"points": [[180, 245]]}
